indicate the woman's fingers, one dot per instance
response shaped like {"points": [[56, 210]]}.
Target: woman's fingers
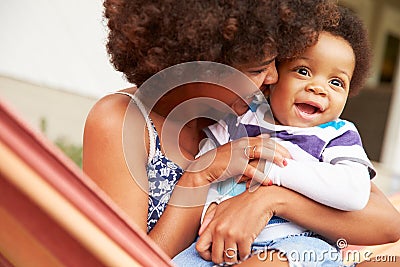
{"points": [[256, 175], [281, 150], [217, 251], [272, 153], [227, 229], [203, 245], [208, 217], [232, 159], [230, 251], [244, 250], [258, 178], [264, 148]]}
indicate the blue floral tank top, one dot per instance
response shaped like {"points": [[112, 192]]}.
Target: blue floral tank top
{"points": [[163, 174]]}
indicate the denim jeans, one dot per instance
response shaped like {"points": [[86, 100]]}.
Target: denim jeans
{"points": [[300, 250]]}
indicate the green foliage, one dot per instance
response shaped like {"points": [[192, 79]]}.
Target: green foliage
{"points": [[43, 125], [71, 150]]}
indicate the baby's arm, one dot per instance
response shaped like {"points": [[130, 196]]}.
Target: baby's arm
{"points": [[341, 180], [344, 185]]}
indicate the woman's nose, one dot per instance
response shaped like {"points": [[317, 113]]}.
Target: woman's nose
{"points": [[271, 76]]}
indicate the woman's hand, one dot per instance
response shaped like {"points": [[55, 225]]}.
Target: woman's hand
{"points": [[232, 159], [222, 228], [235, 223], [221, 163]]}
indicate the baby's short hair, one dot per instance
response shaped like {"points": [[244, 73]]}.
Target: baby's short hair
{"points": [[352, 29]]}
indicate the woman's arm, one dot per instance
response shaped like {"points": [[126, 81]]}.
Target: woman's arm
{"points": [[118, 166], [377, 223], [104, 159], [345, 185], [122, 174], [227, 229]]}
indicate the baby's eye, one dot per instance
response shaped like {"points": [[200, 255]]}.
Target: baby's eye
{"points": [[337, 82], [303, 71]]}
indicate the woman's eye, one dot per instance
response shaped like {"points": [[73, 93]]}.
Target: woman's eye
{"points": [[303, 71], [256, 72], [337, 82]]}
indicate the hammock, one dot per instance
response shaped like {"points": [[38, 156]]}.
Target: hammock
{"points": [[51, 214]]}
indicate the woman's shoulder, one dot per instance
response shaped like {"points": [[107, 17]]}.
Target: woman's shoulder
{"points": [[114, 101], [110, 110], [111, 119]]}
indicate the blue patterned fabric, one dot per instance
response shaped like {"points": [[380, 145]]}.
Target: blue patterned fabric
{"points": [[163, 174]]}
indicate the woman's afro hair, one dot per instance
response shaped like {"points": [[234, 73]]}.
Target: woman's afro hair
{"points": [[146, 36]]}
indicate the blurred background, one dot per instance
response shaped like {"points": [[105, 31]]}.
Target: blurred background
{"points": [[54, 66]]}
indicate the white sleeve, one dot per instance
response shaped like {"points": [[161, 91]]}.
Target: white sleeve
{"points": [[217, 134], [220, 134], [344, 185], [205, 147], [213, 196]]}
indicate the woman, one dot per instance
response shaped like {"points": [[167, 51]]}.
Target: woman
{"points": [[139, 159]]}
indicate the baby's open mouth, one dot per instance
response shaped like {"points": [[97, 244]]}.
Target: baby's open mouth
{"points": [[308, 108]]}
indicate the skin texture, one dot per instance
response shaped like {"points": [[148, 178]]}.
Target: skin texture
{"points": [[145, 38]]}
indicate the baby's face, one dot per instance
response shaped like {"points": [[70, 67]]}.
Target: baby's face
{"points": [[313, 88]]}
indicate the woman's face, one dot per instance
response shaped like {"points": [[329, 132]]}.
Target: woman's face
{"points": [[237, 99], [262, 75]]}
